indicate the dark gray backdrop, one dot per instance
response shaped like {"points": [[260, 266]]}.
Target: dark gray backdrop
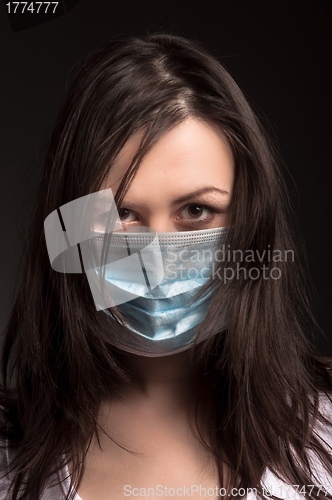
{"points": [[279, 52]]}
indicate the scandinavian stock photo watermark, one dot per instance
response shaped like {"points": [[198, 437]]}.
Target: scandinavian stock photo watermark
{"points": [[205, 263]]}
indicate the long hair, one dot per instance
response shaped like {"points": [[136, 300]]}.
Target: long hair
{"points": [[57, 362]]}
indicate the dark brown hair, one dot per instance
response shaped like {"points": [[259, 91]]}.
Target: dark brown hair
{"points": [[57, 362]]}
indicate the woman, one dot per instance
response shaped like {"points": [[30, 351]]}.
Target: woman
{"points": [[202, 384]]}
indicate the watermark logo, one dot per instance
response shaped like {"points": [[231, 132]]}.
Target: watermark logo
{"points": [[76, 237]]}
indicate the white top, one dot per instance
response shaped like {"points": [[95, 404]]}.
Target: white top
{"points": [[269, 481]]}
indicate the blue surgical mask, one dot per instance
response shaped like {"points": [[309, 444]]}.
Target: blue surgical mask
{"points": [[157, 281], [166, 319]]}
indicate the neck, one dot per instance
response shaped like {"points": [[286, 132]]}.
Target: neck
{"points": [[167, 379], [162, 394]]}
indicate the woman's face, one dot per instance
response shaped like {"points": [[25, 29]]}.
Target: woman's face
{"points": [[184, 183]]}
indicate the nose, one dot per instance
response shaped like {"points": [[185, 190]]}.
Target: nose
{"points": [[160, 224]]}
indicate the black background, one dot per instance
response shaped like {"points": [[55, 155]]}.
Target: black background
{"points": [[279, 52]]}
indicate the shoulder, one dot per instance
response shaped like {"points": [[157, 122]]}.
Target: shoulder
{"points": [[322, 430], [5, 459], [55, 490], [5, 479]]}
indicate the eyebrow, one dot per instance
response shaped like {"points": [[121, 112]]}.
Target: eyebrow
{"points": [[199, 192], [181, 199]]}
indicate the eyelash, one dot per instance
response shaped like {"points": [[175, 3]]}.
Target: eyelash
{"points": [[212, 211], [200, 219]]}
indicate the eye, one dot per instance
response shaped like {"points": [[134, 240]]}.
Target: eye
{"points": [[127, 215], [195, 212]]}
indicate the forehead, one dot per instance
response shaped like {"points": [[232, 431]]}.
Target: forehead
{"points": [[191, 153]]}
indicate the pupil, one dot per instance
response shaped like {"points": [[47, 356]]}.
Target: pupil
{"points": [[195, 210], [123, 213]]}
